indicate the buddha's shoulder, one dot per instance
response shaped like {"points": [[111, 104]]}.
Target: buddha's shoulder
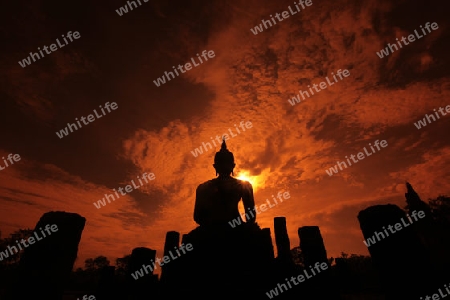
{"points": [[241, 183], [206, 184], [244, 183], [230, 181]]}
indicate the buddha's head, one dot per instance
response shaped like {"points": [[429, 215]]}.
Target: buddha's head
{"points": [[224, 161]]}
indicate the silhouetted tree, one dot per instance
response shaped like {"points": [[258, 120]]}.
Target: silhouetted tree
{"points": [[96, 264], [9, 267], [89, 264], [122, 264], [440, 207], [18, 235], [331, 261], [355, 273], [297, 257], [100, 262]]}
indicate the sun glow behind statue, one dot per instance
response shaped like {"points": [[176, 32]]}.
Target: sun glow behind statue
{"points": [[254, 180]]}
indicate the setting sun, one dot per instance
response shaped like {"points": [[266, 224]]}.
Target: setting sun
{"points": [[254, 180]]}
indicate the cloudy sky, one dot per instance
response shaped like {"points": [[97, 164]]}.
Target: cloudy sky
{"points": [[154, 129]]}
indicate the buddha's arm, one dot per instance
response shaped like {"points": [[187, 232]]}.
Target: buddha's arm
{"points": [[249, 202], [197, 208]]}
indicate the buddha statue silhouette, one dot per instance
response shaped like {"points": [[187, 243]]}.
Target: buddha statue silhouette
{"points": [[217, 200], [218, 245]]}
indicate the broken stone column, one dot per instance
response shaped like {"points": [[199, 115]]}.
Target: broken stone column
{"points": [[183, 239], [145, 286], [267, 242], [46, 264], [314, 253], [433, 236], [396, 253], [282, 239], [171, 244], [312, 246]]}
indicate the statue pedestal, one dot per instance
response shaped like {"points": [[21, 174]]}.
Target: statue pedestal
{"points": [[229, 261]]}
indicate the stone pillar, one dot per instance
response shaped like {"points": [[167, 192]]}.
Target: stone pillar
{"points": [[434, 237], [312, 246], [400, 257], [314, 252], [145, 286], [46, 264], [183, 239], [267, 242], [170, 245], [282, 239]]}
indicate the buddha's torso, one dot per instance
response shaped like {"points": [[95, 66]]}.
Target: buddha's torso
{"points": [[218, 199]]}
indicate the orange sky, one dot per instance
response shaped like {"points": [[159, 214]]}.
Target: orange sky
{"points": [[250, 78]]}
